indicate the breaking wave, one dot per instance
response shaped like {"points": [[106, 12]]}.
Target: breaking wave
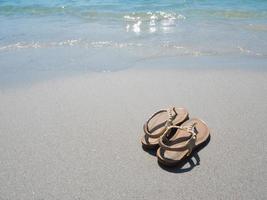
{"points": [[167, 48]]}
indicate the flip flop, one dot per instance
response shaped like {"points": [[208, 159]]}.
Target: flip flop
{"points": [[158, 123], [178, 142]]}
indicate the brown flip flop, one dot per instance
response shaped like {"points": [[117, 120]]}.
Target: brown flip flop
{"points": [[178, 142], [158, 123]]}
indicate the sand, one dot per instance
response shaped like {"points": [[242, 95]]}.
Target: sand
{"points": [[78, 137]]}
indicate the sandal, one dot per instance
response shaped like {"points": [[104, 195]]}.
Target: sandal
{"points": [[178, 142], [158, 123]]}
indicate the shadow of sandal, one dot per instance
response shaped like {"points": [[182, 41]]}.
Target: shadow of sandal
{"points": [[186, 164]]}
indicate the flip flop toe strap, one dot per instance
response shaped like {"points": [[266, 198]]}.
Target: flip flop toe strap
{"points": [[188, 145]]}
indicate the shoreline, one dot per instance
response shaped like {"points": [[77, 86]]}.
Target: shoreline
{"points": [[17, 77]]}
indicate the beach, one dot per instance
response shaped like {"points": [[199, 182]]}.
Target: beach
{"points": [[78, 79], [78, 137]]}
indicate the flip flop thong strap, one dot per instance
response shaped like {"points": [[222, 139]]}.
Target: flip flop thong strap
{"points": [[190, 143], [167, 123]]}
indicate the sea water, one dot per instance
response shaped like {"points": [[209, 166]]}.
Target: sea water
{"points": [[40, 37]]}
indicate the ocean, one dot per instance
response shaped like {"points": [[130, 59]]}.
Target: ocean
{"points": [[43, 38]]}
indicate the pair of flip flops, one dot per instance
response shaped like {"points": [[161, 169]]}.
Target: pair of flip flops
{"points": [[175, 134]]}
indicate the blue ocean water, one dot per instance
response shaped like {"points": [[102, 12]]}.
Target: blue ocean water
{"points": [[39, 36]]}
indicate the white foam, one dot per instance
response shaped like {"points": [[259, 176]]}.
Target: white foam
{"points": [[129, 18]]}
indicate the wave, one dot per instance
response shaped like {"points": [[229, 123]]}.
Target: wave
{"points": [[165, 48], [67, 43]]}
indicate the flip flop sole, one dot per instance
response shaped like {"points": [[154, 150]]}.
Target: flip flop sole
{"points": [[171, 158], [172, 163], [154, 143], [149, 145]]}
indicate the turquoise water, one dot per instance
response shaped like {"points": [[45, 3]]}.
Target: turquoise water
{"points": [[56, 36], [115, 9]]}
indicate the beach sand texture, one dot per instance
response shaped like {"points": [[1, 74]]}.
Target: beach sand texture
{"points": [[78, 137]]}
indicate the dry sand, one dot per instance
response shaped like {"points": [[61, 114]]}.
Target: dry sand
{"points": [[79, 137]]}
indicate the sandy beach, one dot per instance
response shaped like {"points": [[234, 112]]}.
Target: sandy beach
{"points": [[78, 79], [78, 137]]}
